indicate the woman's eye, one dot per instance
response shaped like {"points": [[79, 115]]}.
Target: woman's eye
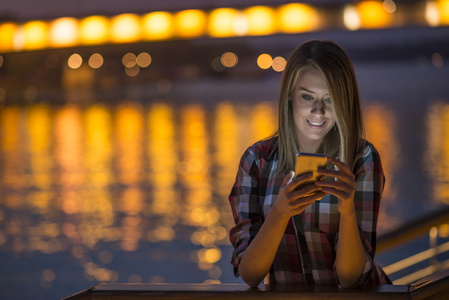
{"points": [[307, 97], [328, 100]]}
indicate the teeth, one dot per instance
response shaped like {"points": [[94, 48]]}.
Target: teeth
{"points": [[316, 124]]}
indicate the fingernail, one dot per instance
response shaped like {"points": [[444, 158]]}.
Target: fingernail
{"points": [[292, 175]]}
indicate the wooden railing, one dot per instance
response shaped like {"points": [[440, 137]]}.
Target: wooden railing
{"points": [[434, 287]]}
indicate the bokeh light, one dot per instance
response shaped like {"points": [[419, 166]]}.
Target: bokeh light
{"points": [[64, 32], [351, 17], [125, 28], [129, 60], [279, 64], [75, 61], [190, 23], [143, 60], [95, 61], [94, 30], [373, 14], [264, 61], [229, 59], [157, 25], [35, 35], [297, 17], [261, 20], [7, 31], [222, 22]]}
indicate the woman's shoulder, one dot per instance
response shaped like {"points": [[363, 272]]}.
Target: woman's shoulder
{"points": [[368, 154], [264, 149]]}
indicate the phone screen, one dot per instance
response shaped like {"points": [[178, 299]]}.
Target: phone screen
{"points": [[309, 163]]}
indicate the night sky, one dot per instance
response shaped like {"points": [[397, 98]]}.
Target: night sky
{"points": [[22, 10]]}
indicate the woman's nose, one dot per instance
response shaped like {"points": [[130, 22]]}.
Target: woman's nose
{"points": [[318, 107]]}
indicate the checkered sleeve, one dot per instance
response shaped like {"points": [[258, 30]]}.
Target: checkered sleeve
{"points": [[370, 184], [245, 208]]}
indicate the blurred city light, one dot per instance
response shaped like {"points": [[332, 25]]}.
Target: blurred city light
{"points": [[95, 61], [143, 60], [94, 30], [35, 35], [190, 23], [443, 7], [297, 17], [125, 28], [75, 61], [261, 20], [351, 17], [373, 14], [229, 59], [389, 6], [7, 31], [264, 61], [279, 64], [129, 60], [64, 32], [223, 22], [437, 12], [157, 25]]}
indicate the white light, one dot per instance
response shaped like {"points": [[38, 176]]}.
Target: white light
{"points": [[351, 17]]}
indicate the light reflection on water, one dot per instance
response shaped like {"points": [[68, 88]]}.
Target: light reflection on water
{"points": [[138, 193]]}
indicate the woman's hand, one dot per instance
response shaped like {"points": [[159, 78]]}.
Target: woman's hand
{"points": [[291, 200], [343, 187]]}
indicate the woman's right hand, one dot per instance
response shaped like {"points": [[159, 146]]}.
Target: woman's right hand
{"points": [[292, 201]]}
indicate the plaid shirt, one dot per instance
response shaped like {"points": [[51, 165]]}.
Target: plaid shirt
{"points": [[307, 250]]}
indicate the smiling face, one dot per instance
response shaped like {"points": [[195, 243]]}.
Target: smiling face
{"points": [[312, 109]]}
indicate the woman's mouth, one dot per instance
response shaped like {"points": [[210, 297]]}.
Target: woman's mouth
{"points": [[316, 124]]}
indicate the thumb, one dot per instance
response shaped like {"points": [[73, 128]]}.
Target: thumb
{"points": [[288, 178]]}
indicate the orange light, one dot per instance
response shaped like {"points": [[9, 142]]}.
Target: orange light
{"points": [[94, 30], [279, 64], [64, 32], [190, 23], [296, 17], [35, 34], [373, 14], [75, 60], [7, 31], [125, 28], [229, 59], [222, 22], [443, 11], [157, 25], [261, 20], [264, 61]]}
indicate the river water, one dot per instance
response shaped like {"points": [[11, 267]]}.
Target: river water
{"points": [[135, 189]]}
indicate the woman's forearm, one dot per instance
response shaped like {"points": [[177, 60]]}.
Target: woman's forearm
{"points": [[350, 260], [258, 257]]}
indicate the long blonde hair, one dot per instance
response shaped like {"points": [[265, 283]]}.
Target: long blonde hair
{"points": [[345, 139]]}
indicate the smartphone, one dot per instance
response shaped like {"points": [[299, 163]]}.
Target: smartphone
{"points": [[309, 163]]}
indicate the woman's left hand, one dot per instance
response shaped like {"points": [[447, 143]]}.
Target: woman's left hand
{"points": [[343, 187]]}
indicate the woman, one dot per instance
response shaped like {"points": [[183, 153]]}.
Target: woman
{"points": [[328, 237]]}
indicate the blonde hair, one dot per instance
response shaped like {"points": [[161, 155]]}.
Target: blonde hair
{"points": [[345, 139]]}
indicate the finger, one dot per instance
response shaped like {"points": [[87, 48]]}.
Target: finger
{"points": [[340, 184], [288, 178], [303, 193], [340, 194], [340, 165], [338, 175], [303, 202], [299, 180]]}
